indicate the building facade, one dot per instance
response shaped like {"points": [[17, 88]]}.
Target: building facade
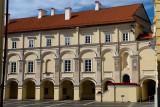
{"points": [[97, 55]]}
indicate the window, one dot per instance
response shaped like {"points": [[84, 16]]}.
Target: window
{"points": [[31, 43], [88, 65], [30, 66], [108, 38], [67, 65], [13, 67], [88, 39], [14, 44], [125, 36], [126, 78], [67, 40], [49, 41]]}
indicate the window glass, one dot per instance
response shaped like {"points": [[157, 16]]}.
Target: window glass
{"points": [[88, 39], [31, 43], [67, 40], [88, 65], [14, 44], [30, 66], [108, 38], [49, 41], [67, 66], [125, 36], [13, 67]]}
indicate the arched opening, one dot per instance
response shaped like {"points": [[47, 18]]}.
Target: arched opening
{"points": [[125, 60], [148, 90], [126, 79], [87, 90], [66, 90], [47, 90], [29, 90], [105, 86], [12, 90]]}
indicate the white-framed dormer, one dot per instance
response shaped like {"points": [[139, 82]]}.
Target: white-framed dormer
{"points": [[125, 36], [88, 39], [88, 65], [13, 67], [30, 66], [67, 65]]}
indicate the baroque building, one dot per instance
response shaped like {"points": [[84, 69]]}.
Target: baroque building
{"points": [[102, 54]]}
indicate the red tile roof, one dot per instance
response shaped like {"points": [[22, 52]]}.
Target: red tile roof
{"points": [[145, 36], [112, 15]]}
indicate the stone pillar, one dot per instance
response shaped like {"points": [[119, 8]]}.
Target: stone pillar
{"points": [[37, 93], [57, 79], [98, 97], [57, 71], [117, 69], [56, 92], [20, 97], [21, 73], [76, 79], [135, 76], [76, 93], [38, 73]]}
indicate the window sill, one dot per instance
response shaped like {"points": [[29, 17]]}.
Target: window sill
{"points": [[13, 74], [88, 72], [67, 72], [29, 73]]}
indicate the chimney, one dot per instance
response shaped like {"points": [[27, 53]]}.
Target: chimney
{"points": [[53, 11], [68, 13], [5, 17], [41, 13], [97, 5]]}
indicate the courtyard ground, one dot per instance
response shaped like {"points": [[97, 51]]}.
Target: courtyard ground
{"points": [[69, 103]]}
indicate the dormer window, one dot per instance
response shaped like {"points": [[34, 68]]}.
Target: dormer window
{"points": [[125, 36]]}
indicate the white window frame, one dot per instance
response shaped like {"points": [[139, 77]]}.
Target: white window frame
{"points": [[15, 45], [28, 68], [64, 65], [91, 64], [90, 39], [29, 43], [125, 37], [47, 42], [11, 67], [66, 40], [110, 37]]}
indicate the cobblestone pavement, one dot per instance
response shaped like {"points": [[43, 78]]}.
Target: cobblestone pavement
{"points": [[69, 103]]}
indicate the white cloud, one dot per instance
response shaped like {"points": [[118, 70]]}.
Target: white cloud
{"points": [[28, 8]]}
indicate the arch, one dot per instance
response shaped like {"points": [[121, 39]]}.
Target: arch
{"points": [[126, 78], [145, 78], [65, 52], [107, 79], [47, 79], [126, 49], [88, 79], [67, 79], [108, 50], [148, 89], [30, 53], [87, 50], [13, 54], [29, 79], [12, 79], [47, 53], [143, 48]]}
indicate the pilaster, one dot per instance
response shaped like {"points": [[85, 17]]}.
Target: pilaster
{"points": [[117, 68], [76, 93], [37, 93], [38, 73], [57, 71], [20, 97], [56, 93], [76, 73], [99, 70], [135, 76], [21, 73]]}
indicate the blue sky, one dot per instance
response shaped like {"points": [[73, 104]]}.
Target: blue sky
{"points": [[28, 8]]}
